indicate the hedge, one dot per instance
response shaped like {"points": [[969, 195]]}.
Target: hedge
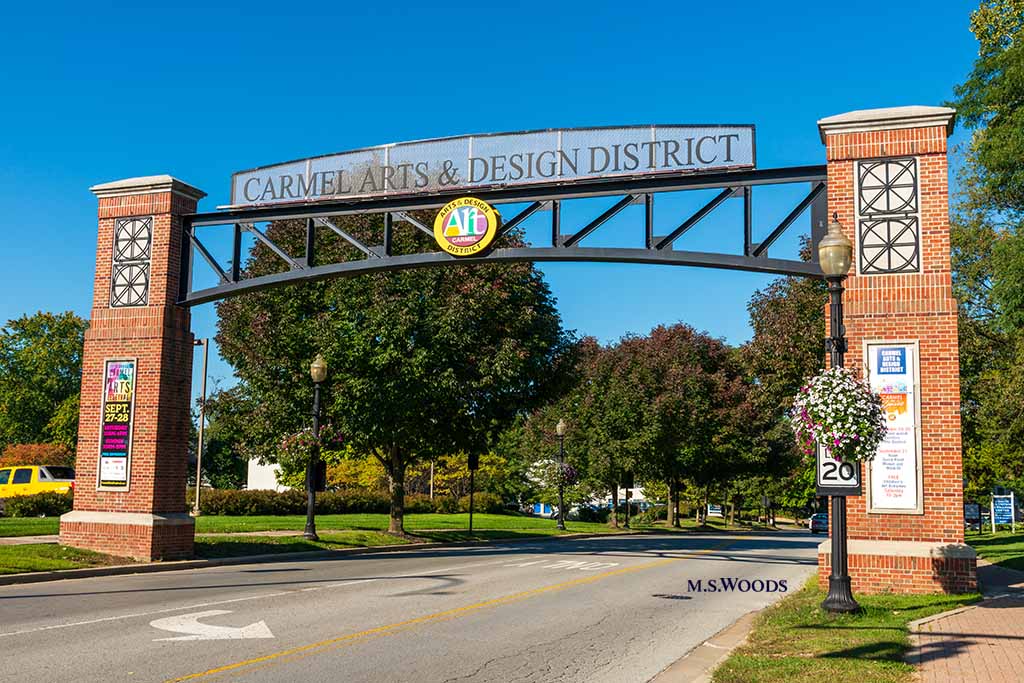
{"points": [[293, 502], [38, 505]]}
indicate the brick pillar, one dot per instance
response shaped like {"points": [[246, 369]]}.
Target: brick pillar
{"points": [[888, 183], [133, 431]]}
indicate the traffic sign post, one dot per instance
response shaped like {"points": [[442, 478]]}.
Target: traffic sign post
{"points": [[837, 477]]}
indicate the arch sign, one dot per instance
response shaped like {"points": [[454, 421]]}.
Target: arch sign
{"points": [[884, 176], [480, 162]]}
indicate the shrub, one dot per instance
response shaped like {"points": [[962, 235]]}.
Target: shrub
{"points": [[652, 515], [590, 514], [37, 454], [482, 502], [293, 502], [39, 505], [446, 504]]}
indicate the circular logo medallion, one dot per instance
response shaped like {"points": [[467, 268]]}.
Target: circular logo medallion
{"points": [[466, 226]]}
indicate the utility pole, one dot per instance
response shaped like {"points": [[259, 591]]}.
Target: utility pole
{"points": [[205, 343]]}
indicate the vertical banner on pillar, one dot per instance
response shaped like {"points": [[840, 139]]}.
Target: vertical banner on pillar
{"points": [[116, 425], [895, 472]]}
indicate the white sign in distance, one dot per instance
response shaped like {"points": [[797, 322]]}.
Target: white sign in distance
{"points": [[836, 477]]}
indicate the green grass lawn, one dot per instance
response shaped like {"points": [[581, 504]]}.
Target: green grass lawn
{"points": [[209, 524], [28, 526], [1003, 548], [797, 642], [41, 557]]}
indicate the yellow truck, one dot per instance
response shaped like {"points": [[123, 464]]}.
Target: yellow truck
{"points": [[24, 480]]}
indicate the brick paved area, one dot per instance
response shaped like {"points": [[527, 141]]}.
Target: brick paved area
{"points": [[983, 642]]}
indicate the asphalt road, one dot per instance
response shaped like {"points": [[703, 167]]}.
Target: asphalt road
{"points": [[618, 608]]}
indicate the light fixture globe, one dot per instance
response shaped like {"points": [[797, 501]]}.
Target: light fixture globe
{"points": [[318, 369], [560, 427], [835, 251]]}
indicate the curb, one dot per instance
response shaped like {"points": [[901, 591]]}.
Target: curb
{"points": [[181, 565], [698, 665], [915, 626]]}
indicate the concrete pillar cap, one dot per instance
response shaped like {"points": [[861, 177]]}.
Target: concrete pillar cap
{"points": [[150, 184], [889, 118]]}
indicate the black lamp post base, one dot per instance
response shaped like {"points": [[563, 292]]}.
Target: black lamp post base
{"points": [[310, 534], [840, 597]]}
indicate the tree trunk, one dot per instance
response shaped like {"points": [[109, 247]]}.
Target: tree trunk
{"points": [[669, 516], [675, 503], [705, 508], [615, 506], [396, 484], [732, 512]]}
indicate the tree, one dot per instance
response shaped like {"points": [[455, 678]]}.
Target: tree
{"points": [[422, 363], [224, 463], [40, 377], [694, 394], [36, 454], [988, 249], [787, 347], [991, 102]]}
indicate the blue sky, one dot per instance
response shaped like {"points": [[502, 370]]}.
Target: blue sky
{"points": [[94, 92]]}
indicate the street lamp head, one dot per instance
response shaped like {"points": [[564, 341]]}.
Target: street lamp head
{"points": [[318, 369], [835, 252], [560, 427]]}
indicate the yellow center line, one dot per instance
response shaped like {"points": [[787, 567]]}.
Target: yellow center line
{"points": [[302, 650]]}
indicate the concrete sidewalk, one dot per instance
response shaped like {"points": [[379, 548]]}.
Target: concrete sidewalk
{"points": [[982, 642], [25, 540]]}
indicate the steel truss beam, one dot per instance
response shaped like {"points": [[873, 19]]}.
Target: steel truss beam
{"points": [[563, 247]]}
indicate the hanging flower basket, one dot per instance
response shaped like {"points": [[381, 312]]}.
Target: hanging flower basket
{"points": [[841, 413]]}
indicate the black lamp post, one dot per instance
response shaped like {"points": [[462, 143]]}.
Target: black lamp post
{"points": [[318, 371], [835, 253], [560, 431]]}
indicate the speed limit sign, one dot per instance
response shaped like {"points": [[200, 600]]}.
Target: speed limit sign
{"points": [[837, 477]]}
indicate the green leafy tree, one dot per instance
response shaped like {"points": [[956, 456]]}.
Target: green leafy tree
{"points": [[224, 462], [422, 363], [695, 395], [787, 347], [991, 102], [988, 249], [40, 377]]}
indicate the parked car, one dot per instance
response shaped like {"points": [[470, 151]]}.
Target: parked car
{"points": [[819, 522], [26, 480]]}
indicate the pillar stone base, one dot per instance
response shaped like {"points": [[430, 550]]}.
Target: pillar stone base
{"points": [[140, 536], [905, 567]]}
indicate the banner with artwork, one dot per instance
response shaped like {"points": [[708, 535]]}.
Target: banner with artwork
{"points": [[116, 427], [894, 472]]}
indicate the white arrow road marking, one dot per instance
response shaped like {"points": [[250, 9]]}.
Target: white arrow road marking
{"points": [[189, 623]]}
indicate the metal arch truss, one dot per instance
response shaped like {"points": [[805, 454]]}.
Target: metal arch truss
{"points": [[564, 246]]}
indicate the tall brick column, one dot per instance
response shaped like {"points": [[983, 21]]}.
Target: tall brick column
{"points": [[888, 184], [136, 379]]}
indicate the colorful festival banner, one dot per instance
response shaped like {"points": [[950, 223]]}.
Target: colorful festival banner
{"points": [[894, 472], [116, 425]]}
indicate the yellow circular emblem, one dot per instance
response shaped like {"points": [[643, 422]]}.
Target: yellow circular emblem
{"points": [[466, 226]]}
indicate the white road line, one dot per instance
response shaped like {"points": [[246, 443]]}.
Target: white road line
{"points": [[229, 601]]}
